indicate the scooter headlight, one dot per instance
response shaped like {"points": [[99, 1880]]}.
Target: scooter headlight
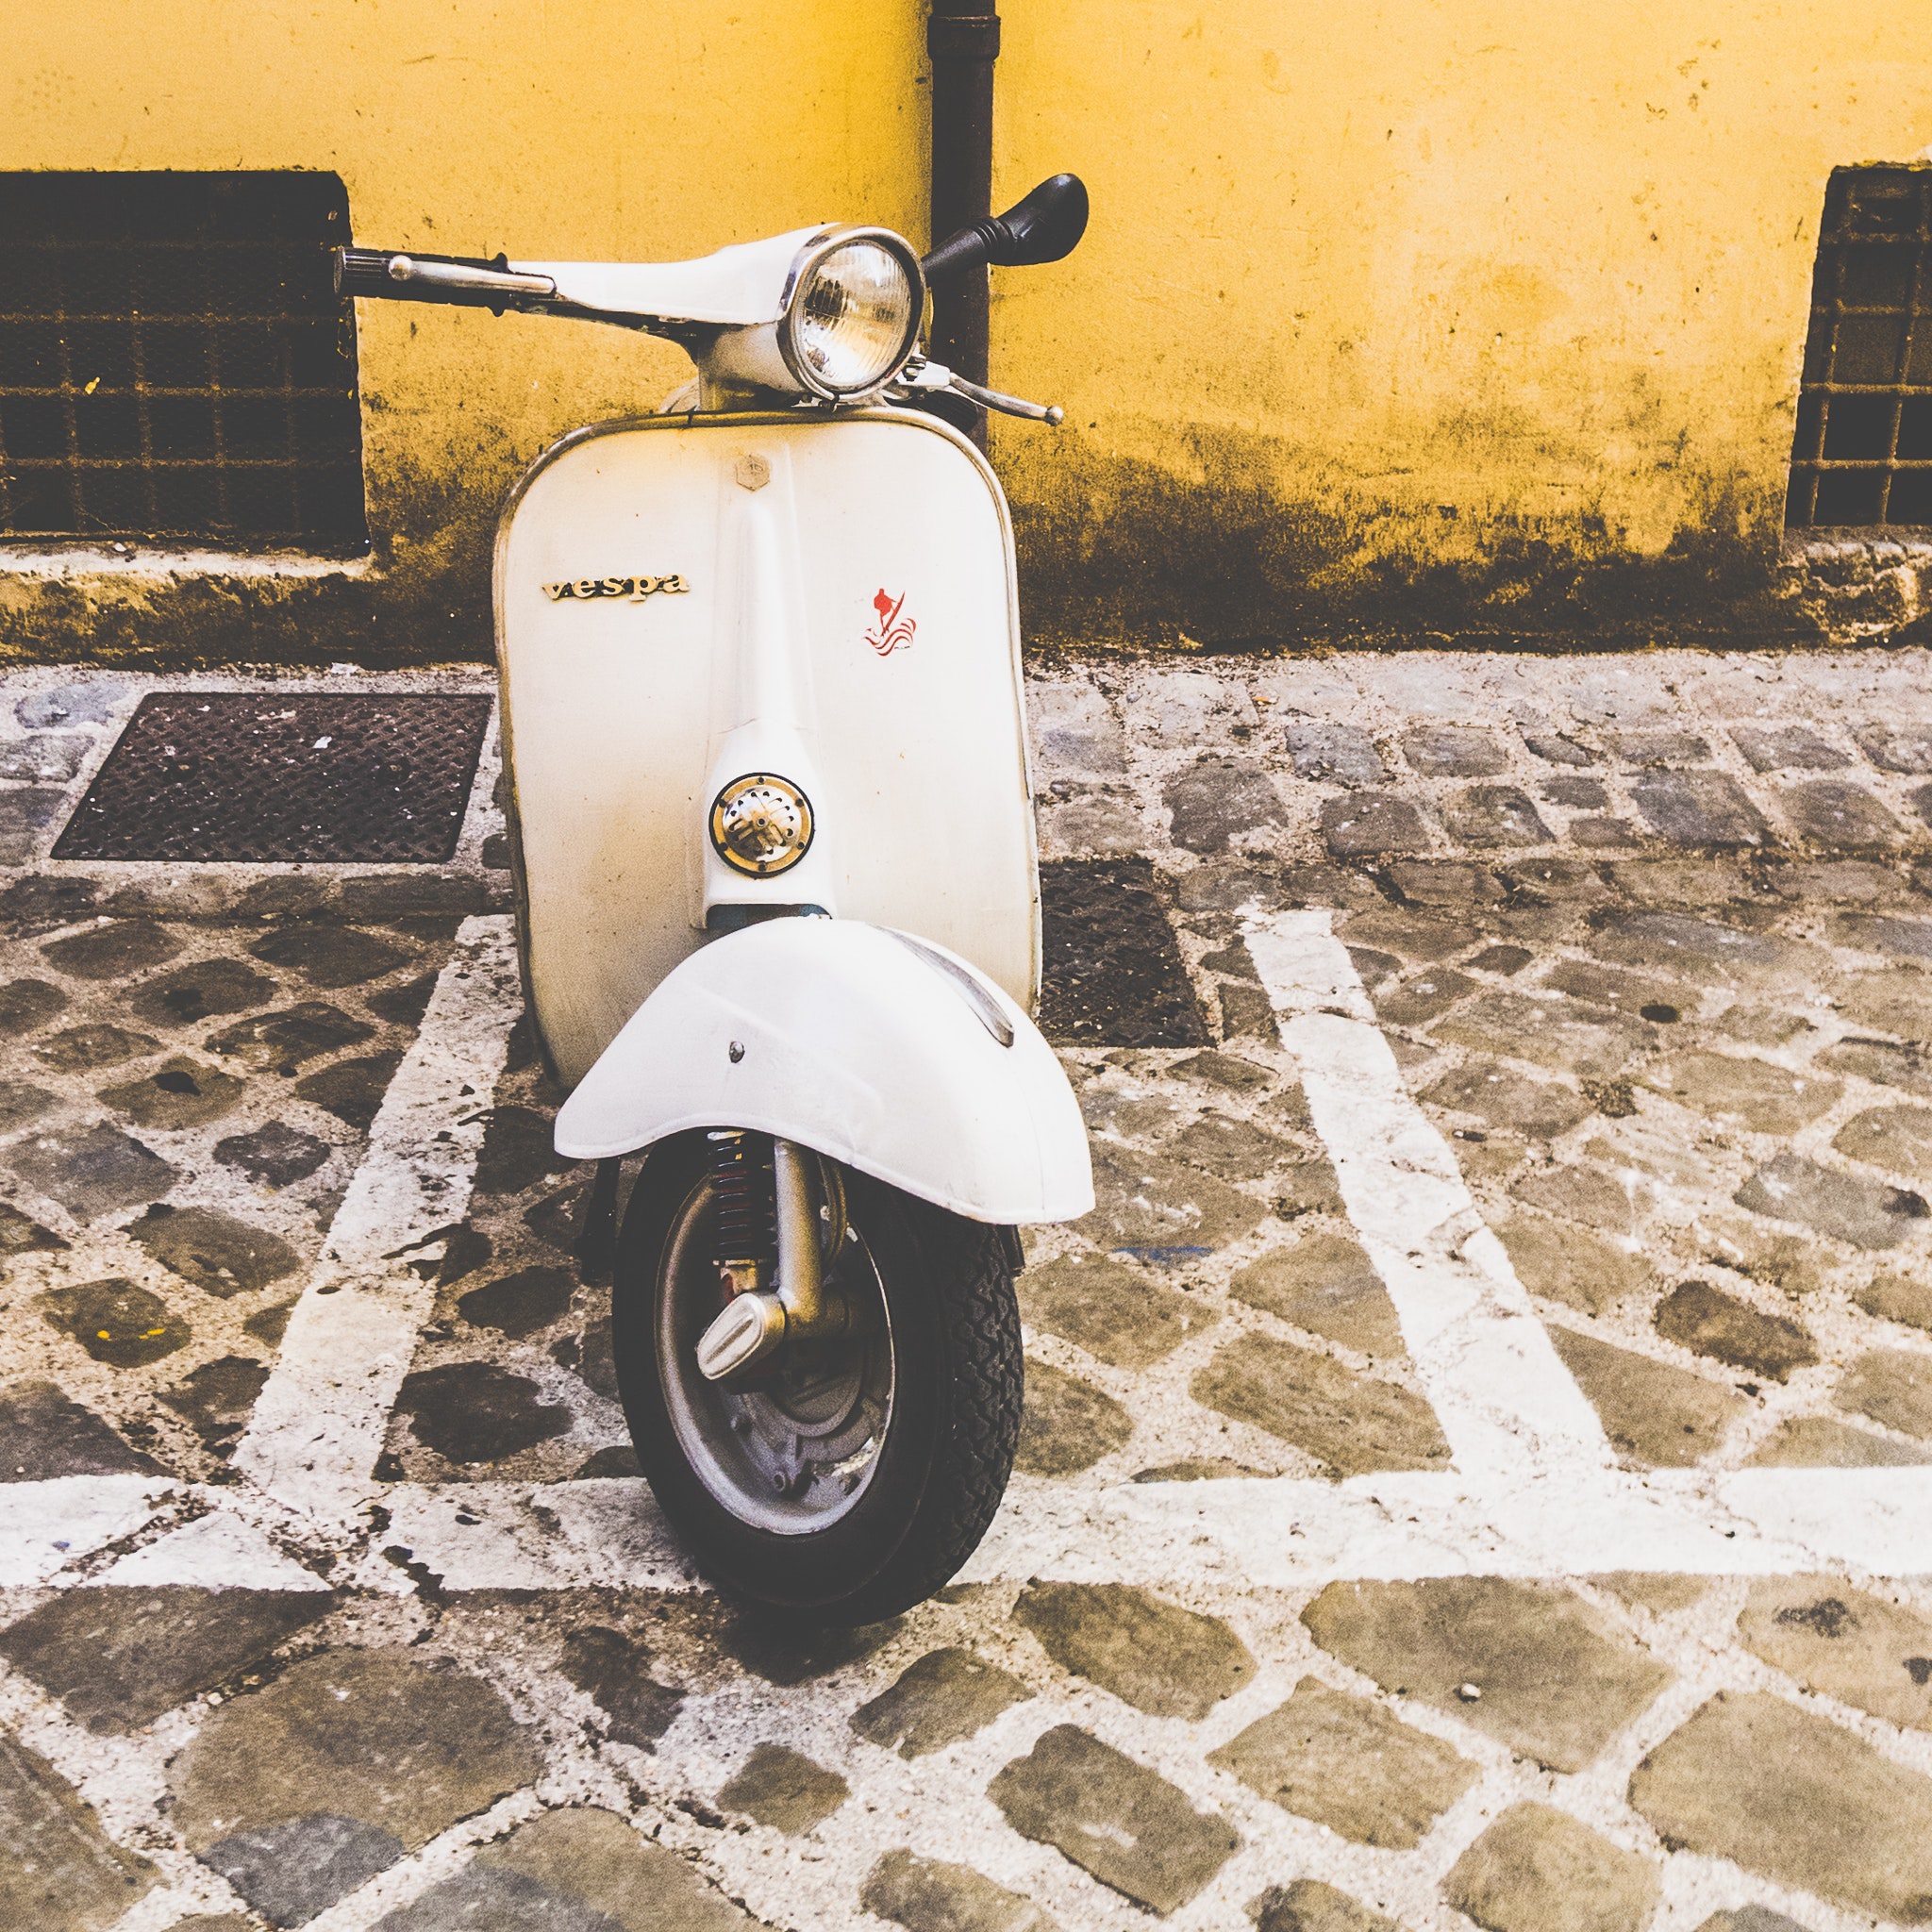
{"points": [[854, 314], [762, 826]]}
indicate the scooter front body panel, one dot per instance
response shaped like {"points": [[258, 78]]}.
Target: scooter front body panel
{"points": [[845, 1038], [833, 592]]}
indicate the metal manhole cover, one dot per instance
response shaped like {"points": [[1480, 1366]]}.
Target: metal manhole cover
{"points": [[256, 776]]}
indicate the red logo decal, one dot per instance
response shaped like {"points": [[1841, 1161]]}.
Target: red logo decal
{"points": [[891, 631]]}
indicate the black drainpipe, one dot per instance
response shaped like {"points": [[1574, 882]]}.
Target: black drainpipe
{"points": [[963, 38]]}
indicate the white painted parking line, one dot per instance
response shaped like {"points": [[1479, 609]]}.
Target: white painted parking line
{"points": [[319, 1422], [1533, 1492]]}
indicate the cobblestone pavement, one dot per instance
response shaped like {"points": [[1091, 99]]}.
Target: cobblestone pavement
{"points": [[1474, 1465]]}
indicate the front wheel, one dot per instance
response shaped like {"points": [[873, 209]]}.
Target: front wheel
{"points": [[854, 1475]]}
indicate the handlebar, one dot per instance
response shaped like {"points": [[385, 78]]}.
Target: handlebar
{"points": [[464, 280]]}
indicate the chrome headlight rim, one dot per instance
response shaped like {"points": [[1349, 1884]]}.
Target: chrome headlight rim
{"points": [[799, 279]]}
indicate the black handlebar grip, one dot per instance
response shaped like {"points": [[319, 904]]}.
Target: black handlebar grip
{"points": [[364, 272]]}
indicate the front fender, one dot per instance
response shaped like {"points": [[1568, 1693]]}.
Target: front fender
{"points": [[861, 1045]]}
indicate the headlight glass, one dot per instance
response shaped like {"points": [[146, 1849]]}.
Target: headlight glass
{"points": [[761, 825], [850, 322]]}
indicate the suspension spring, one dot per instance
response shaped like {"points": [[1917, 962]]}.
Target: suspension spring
{"points": [[747, 1234]]}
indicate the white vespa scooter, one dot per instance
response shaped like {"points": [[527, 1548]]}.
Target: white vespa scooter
{"points": [[777, 895]]}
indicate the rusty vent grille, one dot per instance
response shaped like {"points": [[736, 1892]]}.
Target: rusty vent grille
{"points": [[248, 776], [175, 361], [1863, 451]]}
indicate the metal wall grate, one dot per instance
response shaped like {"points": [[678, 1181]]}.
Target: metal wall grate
{"points": [[1863, 451], [175, 361]]}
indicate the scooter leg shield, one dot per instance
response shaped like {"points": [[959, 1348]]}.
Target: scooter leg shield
{"points": [[878, 1049]]}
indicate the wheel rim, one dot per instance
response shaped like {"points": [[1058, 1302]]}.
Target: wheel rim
{"points": [[794, 1455]]}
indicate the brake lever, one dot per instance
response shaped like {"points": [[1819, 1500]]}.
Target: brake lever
{"points": [[920, 375]]}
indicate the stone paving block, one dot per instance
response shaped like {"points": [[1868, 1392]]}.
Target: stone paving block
{"points": [[1657, 1592], [373, 1736], [1555, 748], [518, 1304], [1153, 1207], [91, 703], [1494, 815], [1504, 1098], [328, 955], [939, 1699], [1749, 1093], [44, 1434], [76, 1049], [217, 1399], [1760, 1025], [1422, 933], [1230, 1148], [1752, 1778], [1711, 1323], [50, 759], [180, 1092], [1537, 1870], [1897, 1138], [1075, 727], [1326, 1284], [928, 1895], [1838, 816], [92, 1170], [1846, 1207], [1562, 1264], [21, 1234], [1424, 997], [118, 1657], [1699, 808], [1701, 949], [1900, 1298], [1068, 1424], [1751, 1919], [43, 900], [1587, 1194], [1246, 1012], [1156, 1656], [1371, 823], [1553, 881], [22, 1102], [203, 991], [290, 1035], [1657, 751], [1309, 1905], [1561, 1034], [1117, 1820], [1894, 1387], [1213, 801], [1113, 1312], [27, 1004], [1896, 747], [1778, 748], [113, 950], [1578, 794], [1334, 754], [351, 1090], [475, 1413], [1557, 1680], [1666, 1417], [1349, 1764], [213, 1250], [59, 1870], [1903, 938], [1897, 999], [1845, 1642], [114, 1321], [275, 1155], [1908, 1067], [1818, 1441], [1104, 828], [1350, 1421], [1608, 986], [785, 1789], [291, 1872], [1452, 750]]}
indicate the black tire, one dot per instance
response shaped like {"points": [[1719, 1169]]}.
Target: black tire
{"points": [[941, 1468]]}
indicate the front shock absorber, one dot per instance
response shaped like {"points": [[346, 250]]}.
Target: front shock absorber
{"points": [[746, 1235]]}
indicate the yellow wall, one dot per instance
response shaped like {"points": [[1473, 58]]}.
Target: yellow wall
{"points": [[1477, 313], [1491, 309]]}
